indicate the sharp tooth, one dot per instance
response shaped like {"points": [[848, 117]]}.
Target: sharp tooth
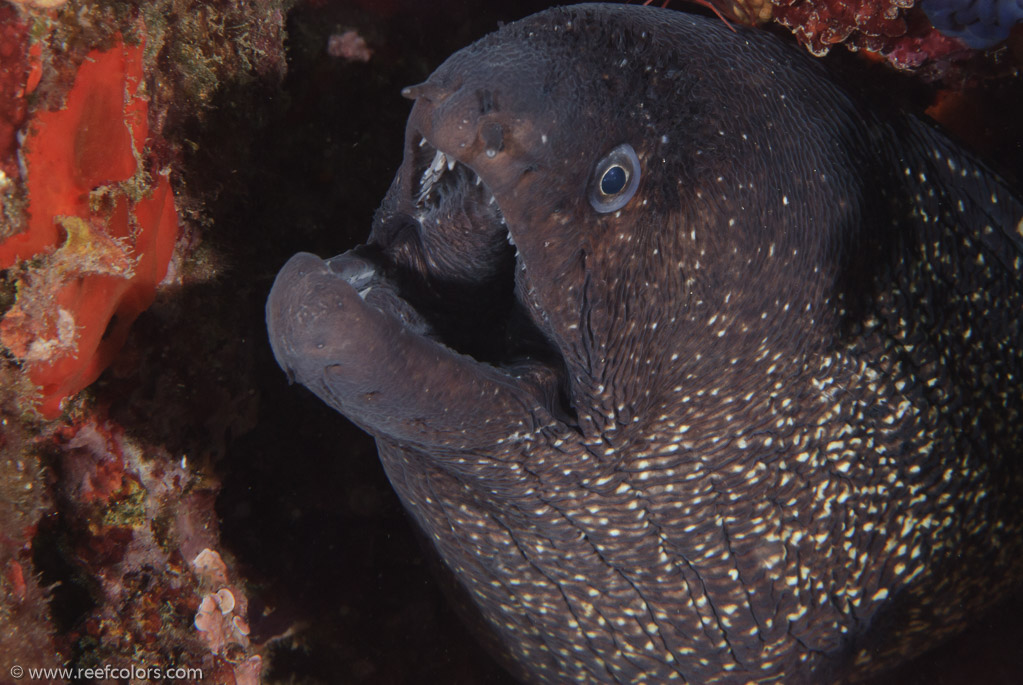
{"points": [[478, 180], [491, 201], [451, 164], [422, 142], [431, 174], [439, 159]]}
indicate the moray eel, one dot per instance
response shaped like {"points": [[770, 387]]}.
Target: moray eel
{"points": [[691, 367]]}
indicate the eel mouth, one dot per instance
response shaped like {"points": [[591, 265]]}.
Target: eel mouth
{"points": [[481, 311], [442, 181]]}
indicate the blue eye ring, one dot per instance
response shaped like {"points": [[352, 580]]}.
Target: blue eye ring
{"points": [[615, 179]]}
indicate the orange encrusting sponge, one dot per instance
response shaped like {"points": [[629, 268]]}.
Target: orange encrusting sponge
{"points": [[76, 302]]}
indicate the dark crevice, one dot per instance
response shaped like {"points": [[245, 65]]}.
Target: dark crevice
{"points": [[70, 599]]}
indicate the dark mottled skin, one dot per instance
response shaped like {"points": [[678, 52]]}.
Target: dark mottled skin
{"points": [[761, 424]]}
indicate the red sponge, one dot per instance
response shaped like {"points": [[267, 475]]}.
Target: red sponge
{"points": [[75, 303]]}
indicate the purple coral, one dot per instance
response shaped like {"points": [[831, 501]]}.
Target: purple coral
{"points": [[980, 24]]}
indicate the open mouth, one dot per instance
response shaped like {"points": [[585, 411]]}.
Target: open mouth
{"points": [[472, 300], [438, 268], [458, 271], [445, 184]]}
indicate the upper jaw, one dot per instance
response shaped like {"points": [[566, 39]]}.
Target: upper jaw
{"points": [[467, 244], [437, 176], [492, 161]]}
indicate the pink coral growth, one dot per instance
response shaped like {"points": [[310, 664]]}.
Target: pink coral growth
{"points": [[820, 24], [210, 568], [138, 511], [220, 618], [923, 45], [896, 31], [349, 46]]}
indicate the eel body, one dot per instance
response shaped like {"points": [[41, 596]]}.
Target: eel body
{"points": [[691, 366]]}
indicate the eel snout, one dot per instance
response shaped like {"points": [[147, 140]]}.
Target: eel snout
{"points": [[341, 329], [331, 322], [304, 315]]}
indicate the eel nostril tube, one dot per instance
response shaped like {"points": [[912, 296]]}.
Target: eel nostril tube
{"points": [[428, 90], [492, 135]]}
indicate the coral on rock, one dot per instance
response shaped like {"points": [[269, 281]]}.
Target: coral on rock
{"points": [[95, 159], [24, 501], [100, 522], [138, 516], [14, 71], [898, 31], [75, 304]]}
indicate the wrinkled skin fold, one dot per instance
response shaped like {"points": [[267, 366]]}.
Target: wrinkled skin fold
{"points": [[760, 423]]}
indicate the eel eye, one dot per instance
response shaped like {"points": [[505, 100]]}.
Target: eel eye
{"points": [[615, 179]]}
